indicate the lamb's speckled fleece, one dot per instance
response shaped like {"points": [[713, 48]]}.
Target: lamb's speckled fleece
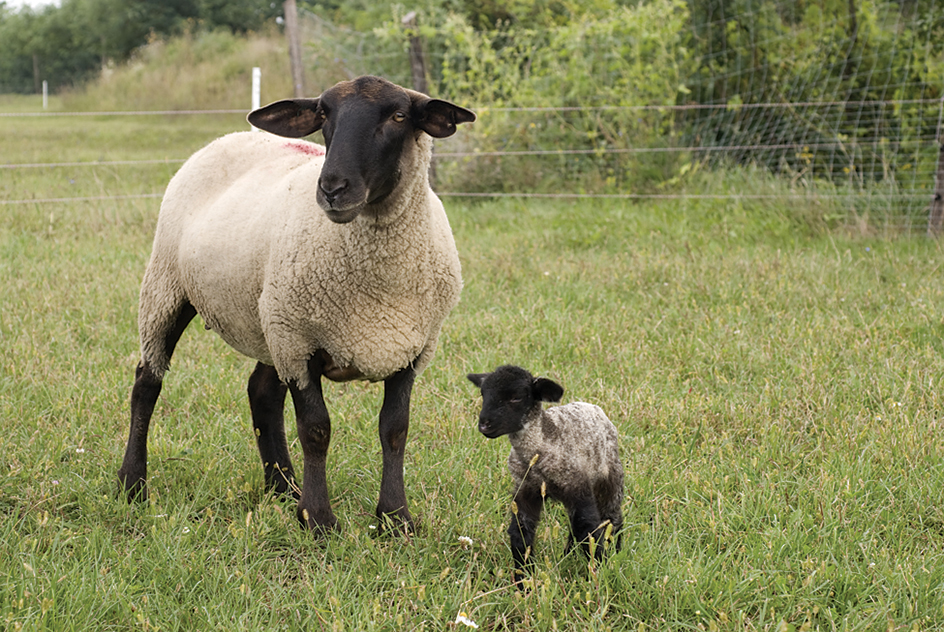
{"points": [[241, 236], [576, 447]]}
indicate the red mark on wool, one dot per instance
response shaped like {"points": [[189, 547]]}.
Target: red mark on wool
{"points": [[309, 149]]}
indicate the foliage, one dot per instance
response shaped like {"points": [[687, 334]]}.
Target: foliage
{"points": [[621, 58], [855, 55], [71, 42], [197, 70]]}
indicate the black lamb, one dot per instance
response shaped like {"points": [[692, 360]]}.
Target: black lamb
{"points": [[568, 453]]}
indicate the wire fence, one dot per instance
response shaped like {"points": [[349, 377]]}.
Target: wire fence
{"points": [[824, 111], [905, 200]]}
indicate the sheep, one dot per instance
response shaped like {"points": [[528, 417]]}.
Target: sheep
{"points": [[357, 289], [568, 453]]}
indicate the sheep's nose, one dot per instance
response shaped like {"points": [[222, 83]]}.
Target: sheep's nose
{"points": [[331, 188]]}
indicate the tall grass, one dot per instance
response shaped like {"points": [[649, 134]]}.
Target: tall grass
{"points": [[202, 70], [776, 389]]}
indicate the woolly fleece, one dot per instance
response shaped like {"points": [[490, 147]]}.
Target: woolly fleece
{"points": [[241, 237], [577, 446]]}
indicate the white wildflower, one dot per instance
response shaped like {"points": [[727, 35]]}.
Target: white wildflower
{"points": [[465, 541], [464, 619]]}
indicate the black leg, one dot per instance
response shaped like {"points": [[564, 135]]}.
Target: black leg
{"points": [[267, 403], [586, 523], [314, 433], [526, 512], [394, 425], [132, 476]]}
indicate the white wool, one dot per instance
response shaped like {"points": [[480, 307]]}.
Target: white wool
{"points": [[241, 236]]}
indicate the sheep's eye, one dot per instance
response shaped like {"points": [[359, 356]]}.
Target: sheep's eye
{"points": [[517, 400], [399, 117]]}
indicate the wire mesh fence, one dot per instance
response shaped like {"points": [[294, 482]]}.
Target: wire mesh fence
{"points": [[841, 108]]}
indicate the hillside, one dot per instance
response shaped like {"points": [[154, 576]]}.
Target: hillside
{"points": [[195, 71]]}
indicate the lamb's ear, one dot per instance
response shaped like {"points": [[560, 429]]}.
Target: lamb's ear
{"points": [[546, 390], [477, 378], [436, 117], [292, 118]]}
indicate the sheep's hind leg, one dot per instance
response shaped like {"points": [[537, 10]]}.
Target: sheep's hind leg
{"points": [[267, 403], [132, 476], [586, 523], [314, 433], [394, 424]]}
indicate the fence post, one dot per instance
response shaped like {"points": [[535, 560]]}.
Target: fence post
{"points": [[256, 91], [45, 94], [418, 69], [417, 63], [936, 216], [294, 47]]}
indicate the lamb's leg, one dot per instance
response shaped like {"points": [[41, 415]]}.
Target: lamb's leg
{"points": [[132, 475], [314, 433], [394, 424], [525, 514], [585, 522], [267, 403], [612, 512]]}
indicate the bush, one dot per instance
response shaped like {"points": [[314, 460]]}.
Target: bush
{"points": [[597, 69]]}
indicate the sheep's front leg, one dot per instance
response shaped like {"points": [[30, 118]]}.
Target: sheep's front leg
{"points": [[267, 403], [394, 424], [314, 433], [525, 514]]}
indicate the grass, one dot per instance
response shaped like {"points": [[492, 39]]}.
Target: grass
{"points": [[777, 392]]}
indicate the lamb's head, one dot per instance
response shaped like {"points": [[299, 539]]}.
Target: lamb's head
{"points": [[369, 124], [509, 395]]}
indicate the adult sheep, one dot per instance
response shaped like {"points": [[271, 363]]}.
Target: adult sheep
{"points": [[355, 289]]}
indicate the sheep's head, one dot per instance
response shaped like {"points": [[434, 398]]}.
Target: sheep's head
{"points": [[509, 394], [368, 125]]}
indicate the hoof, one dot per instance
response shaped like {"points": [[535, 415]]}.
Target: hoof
{"points": [[283, 486], [320, 525], [395, 523], [135, 491]]}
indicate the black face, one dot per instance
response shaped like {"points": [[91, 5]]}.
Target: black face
{"points": [[366, 131], [509, 394], [368, 125]]}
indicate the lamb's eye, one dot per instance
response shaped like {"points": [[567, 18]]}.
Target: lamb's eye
{"points": [[514, 401], [399, 117]]}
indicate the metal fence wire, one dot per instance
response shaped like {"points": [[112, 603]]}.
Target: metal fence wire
{"points": [[851, 120]]}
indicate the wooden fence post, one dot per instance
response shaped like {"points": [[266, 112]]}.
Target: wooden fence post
{"points": [[294, 47], [417, 62], [936, 216], [418, 69]]}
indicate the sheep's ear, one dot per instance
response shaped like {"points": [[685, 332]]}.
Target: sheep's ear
{"points": [[292, 118], [477, 378], [436, 117], [546, 390]]}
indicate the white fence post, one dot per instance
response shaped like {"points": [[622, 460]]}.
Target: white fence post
{"points": [[256, 89], [45, 94]]}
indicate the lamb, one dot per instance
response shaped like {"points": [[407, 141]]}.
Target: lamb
{"points": [[356, 289], [568, 453]]}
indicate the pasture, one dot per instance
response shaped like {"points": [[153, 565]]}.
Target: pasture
{"points": [[777, 389]]}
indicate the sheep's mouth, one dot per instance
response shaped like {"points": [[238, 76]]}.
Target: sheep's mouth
{"points": [[488, 431], [342, 216]]}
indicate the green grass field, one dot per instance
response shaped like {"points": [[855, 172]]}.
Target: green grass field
{"points": [[777, 391]]}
